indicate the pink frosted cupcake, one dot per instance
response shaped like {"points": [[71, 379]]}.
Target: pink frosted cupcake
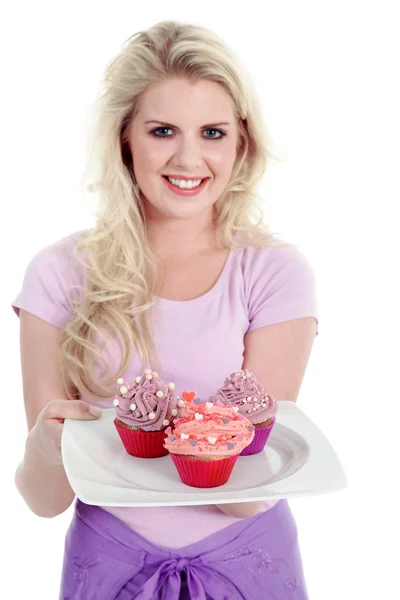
{"points": [[242, 390], [205, 442], [144, 409]]}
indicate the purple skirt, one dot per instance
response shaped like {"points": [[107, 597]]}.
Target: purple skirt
{"points": [[254, 559]]}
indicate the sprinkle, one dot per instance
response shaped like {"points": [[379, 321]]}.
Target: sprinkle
{"points": [[133, 406], [235, 408], [165, 422], [219, 403], [248, 398], [137, 379], [120, 381], [212, 440], [254, 408], [193, 442], [123, 389], [155, 374], [249, 411], [226, 420], [149, 376], [198, 416], [174, 412], [184, 436], [152, 416], [263, 405], [176, 421], [171, 386], [115, 401], [197, 401], [172, 437], [160, 394], [181, 403], [231, 445], [168, 430], [240, 436], [209, 404], [251, 427]]}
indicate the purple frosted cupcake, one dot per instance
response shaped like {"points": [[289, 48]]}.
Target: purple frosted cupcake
{"points": [[144, 409], [242, 390]]}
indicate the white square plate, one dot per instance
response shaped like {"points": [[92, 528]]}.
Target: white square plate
{"points": [[298, 460]]}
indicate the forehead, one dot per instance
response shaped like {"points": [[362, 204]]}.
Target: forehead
{"points": [[180, 99]]}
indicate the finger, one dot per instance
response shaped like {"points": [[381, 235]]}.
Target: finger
{"points": [[71, 409]]}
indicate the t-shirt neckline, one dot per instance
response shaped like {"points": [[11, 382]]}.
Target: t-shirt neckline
{"points": [[206, 295]]}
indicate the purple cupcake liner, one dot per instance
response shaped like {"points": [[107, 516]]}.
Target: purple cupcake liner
{"points": [[261, 436]]}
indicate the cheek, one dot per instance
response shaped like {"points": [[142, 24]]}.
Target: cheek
{"points": [[223, 159]]}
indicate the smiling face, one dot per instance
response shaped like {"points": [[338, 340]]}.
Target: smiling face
{"points": [[183, 129]]}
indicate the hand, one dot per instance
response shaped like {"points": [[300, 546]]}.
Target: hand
{"points": [[45, 435]]}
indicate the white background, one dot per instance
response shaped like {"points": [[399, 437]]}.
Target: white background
{"points": [[327, 73]]}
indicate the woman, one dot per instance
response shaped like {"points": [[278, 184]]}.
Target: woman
{"points": [[189, 283]]}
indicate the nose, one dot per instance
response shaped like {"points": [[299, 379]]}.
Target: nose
{"points": [[188, 155]]}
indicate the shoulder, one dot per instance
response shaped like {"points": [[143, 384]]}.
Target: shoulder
{"points": [[57, 266], [59, 261], [274, 264], [62, 251]]}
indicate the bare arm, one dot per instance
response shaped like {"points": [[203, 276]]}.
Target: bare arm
{"points": [[40, 477], [278, 356]]}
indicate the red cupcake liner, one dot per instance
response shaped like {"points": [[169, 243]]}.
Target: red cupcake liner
{"points": [[261, 436], [142, 444], [204, 474]]}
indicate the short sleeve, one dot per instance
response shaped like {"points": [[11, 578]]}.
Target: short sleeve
{"points": [[52, 279], [281, 287]]}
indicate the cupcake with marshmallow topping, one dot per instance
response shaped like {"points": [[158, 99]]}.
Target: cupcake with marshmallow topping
{"points": [[242, 390], [205, 442], [144, 409]]}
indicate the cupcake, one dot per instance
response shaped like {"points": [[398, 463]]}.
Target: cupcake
{"points": [[242, 390], [206, 440], [144, 409]]}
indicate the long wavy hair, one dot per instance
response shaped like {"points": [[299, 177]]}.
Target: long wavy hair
{"points": [[119, 263]]}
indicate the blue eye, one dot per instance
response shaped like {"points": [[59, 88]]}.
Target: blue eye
{"points": [[153, 132]]}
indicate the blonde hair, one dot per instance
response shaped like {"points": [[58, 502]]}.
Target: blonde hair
{"points": [[120, 266]]}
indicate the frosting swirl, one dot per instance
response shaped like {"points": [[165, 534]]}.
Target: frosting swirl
{"points": [[147, 403], [241, 389], [208, 429]]}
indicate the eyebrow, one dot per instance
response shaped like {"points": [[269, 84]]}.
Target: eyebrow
{"points": [[176, 127]]}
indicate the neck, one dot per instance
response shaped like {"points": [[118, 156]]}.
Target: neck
{"points": [[179, 238]]}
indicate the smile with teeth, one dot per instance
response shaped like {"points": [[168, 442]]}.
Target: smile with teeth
{"points": [[181, 183]]}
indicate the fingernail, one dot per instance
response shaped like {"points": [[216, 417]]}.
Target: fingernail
{"points": [[95, 411]]}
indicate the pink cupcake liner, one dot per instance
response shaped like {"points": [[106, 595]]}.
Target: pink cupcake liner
{"points": [[261, 436], [142, 444], [204, 474]]}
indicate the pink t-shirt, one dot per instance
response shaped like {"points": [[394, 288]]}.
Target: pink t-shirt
{"points": [[199, 342]]}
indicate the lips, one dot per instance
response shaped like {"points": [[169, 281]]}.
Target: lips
{"points": [[184, 178]]}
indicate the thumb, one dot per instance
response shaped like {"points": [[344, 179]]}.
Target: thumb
{"points": [[94, 411]]}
